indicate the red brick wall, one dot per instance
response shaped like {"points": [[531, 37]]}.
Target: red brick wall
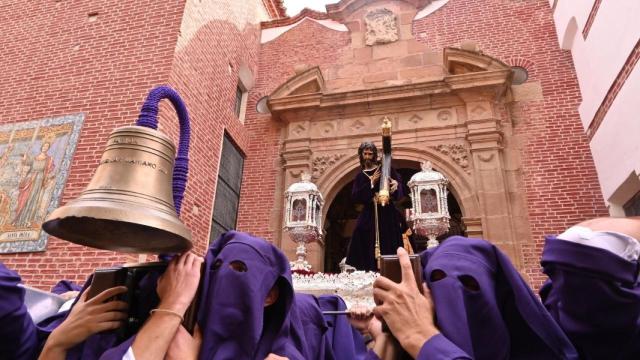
{"points": [[205, 72], [308, 43], [56, 62], [558, 171]]}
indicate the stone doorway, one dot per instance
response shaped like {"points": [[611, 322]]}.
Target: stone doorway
{"points": [[342, 215]]}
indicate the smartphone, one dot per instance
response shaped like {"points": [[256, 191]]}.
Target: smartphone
{"points": [[390, 268], [104, 279]]}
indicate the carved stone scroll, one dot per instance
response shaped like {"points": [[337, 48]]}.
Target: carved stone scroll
{"points": [[322, 162], [458, 153]]}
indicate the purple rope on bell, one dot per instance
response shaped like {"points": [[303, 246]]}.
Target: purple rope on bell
{"points": [[149, 118]]}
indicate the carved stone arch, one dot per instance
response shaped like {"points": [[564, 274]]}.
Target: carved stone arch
{"points": [[336, 177], [307, 82], [458, 61]]}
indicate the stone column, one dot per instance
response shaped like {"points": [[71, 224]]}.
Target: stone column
{"points": [[485, 139]]}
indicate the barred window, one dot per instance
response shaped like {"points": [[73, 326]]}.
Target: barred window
{"points": [[225, 206]]}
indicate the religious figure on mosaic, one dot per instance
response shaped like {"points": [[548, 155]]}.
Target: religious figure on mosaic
{"points": [[391, 224], [34, 162], [36, 176]]}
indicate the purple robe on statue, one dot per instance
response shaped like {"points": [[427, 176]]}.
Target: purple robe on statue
{"points": [[485, 308], [234, 322], [345, 341], [594, 295], [18, 338], [361, 253]]}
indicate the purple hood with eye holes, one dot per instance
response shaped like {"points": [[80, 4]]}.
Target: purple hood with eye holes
{"points": [[234, 322], [484, 306]]}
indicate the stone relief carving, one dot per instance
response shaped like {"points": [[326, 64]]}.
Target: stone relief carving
{"points": [[327, 129], [415, 118], [298, 130], [295, 173], [444, 115], [478, 111], [381, 27], [486, 158], [322, 162], [458, 153], [357, 125]]}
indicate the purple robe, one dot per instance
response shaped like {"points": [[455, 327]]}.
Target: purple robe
{"points": [[307, 329], [485, 308], [234, 322], [64, 286], [436, 348], [594, 295], [18, 336], [361, 252], [345, 341]]}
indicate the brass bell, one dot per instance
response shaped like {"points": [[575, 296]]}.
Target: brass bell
{"points": [[128, 206]]}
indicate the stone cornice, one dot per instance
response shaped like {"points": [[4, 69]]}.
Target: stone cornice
{"points": [[285, 21], [472, 59], [341, 10], [315, 102]]}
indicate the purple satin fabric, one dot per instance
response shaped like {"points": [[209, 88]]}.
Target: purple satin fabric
{"points": [[345, 341], [305, 330], [232, 316], [18, 337], [594, 295], [500, 318]]}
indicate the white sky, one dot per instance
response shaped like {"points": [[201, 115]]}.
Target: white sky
{"points": [[295, 6]]}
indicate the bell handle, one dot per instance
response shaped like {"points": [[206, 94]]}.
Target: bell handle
{"points": [[149, 118]]}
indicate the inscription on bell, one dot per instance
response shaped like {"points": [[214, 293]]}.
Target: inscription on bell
{"points": [[138, 162], [124, 140]]}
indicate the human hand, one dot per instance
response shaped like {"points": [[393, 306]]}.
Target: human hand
{"points": [[407, 311], [359, 317], [184, 346], [386, 347], [393, 186], [273, 356], [375, 328], [89, 317], [376, 175], [179, 283], [68, 295]]}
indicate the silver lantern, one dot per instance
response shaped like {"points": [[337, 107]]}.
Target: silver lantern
{"points": [[430, 213], [303, 218]]}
